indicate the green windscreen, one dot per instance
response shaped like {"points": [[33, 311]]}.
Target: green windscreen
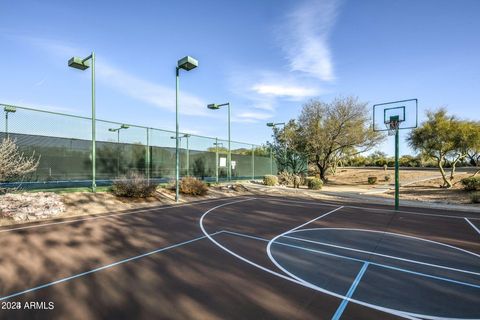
{"points": [[63, 144]]}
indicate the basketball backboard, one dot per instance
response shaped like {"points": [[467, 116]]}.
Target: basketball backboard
{"points": [[405, 112]]}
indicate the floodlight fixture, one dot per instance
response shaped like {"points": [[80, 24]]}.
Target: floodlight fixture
{"points": [[213, 106], [272, 124], [10, 109], [78, 63], [187, 63]]}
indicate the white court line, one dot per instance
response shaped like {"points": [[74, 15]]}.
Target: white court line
{"points": [[49, 284], [396, 234], [473, 226], [291, 279], [358, 260], [383, 255], [107, 216], [376, 209]]}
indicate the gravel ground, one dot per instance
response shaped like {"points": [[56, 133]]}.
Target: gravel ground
{"points": [[30, 206]]}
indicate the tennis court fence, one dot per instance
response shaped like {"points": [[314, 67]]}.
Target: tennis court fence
{"points": [[63, 143]]}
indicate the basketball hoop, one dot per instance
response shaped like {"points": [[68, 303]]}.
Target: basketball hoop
{"points": [[392, 127]]}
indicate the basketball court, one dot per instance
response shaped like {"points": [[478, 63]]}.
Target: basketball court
{"points": [[246, 258]]}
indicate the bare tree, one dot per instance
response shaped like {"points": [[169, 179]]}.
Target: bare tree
{"points": [[14, 165]]}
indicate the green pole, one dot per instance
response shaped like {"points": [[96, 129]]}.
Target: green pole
{"points": [[147, 164], [271, 161], [118, 152], [188, 159], [94, 184], [229, 147], [253, 162], [397, 175], [177, 176], [216, 160], [6, 123]]}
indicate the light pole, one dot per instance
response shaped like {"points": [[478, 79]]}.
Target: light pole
{"points": [[8, 109], [273, 125], [186, 63], [79, 63], [216, 144], [117, 130], [188, 156], [214, 106]]}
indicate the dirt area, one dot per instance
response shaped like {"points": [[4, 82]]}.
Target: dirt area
{"points": [[101, 202], [431, 191], [359, 177], [27, 207]]}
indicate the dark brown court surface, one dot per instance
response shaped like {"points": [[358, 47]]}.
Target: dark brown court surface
{"points": [[245, 258]]}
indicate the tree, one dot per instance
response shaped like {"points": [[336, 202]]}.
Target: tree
{"points": [[286, 146], [327, 129], [445, 139], [473, 153], [14, 165]]}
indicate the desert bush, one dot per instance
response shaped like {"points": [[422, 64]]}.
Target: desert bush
{"points": [[133, 185], [475, 197], [14, 165], [193, 186], [285, 178], [471, 183], [314, 183], [372, 180], [387, 177], [270, 180]]}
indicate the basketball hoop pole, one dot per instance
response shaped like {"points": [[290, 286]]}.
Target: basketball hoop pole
{"points": [[397, 175], [401, 114]]}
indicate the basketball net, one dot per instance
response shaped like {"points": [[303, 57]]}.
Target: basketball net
{"points": [[392, 127]]}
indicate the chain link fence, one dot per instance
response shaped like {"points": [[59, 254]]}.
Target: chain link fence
{"points": [[63, 143]]}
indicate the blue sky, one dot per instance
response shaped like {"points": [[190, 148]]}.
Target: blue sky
{"points": [[265, 57]]}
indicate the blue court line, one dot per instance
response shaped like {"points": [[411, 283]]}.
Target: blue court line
{"points": [[360, 260], [103, 267], [350, 292]]}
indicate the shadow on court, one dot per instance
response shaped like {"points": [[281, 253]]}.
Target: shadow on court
{"points": [[197, 279]]}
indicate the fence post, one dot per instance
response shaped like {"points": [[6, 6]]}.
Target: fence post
{"points": [[147, 155], [216, 160], [253, 162]]}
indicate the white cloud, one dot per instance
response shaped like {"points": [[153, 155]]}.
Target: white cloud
{"points": [[284, 90], [254, 115], [305, 38], [149, 92]]}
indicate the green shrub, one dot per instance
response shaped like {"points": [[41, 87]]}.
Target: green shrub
{"points": [[475, 197], [270, 180], [314, 183], [372, 180], [133, 185], [471, 183], [387, 177], [192, 186]]}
